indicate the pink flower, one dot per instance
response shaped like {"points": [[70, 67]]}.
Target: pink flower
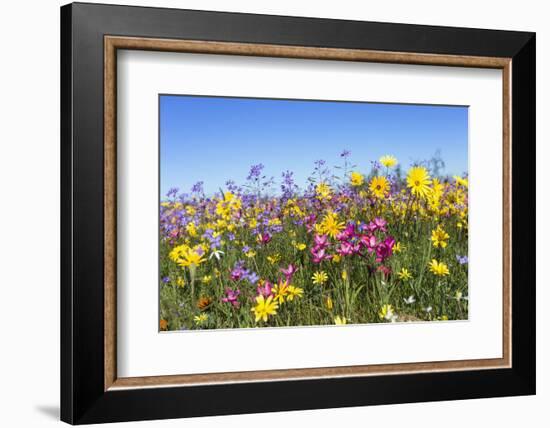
{"points": [[369, 241], [345, 249], [385, 270], [232, 297], [377, 224], [310, 222], [319, 255], [289, 272], [264, 289], [321, 241]]}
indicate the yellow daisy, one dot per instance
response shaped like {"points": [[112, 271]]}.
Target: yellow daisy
{"points": [[200, 319], [404, 274], [418, 180], [438, 268], [356, 179], [320, 277], [379, 186], [280, 291], [330, 224], [439, 237], [294, 292], [323, 191], [264, 308]]}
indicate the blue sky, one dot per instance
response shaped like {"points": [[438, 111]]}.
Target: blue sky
{"points": [[213, 139]]}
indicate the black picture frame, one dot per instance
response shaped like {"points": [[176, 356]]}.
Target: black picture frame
{"points": [[83, 399]]}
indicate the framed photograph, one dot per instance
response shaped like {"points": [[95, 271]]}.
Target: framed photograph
{"points": [[265, 213]]}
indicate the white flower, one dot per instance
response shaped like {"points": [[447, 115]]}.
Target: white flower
{"points": [[428, 309], [390, 315], [409, 300], [216, 253]]}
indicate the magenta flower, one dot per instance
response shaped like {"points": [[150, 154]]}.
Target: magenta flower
{"points": [[347, 233], [263, 238], [346, 249], [231, 296], [289, 272], [390, 242], [384, 249]]}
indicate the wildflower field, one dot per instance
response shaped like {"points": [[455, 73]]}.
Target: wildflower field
{"points": [[353, 247]]}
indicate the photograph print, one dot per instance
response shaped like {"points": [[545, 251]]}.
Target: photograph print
{"points": [[288, 213]]}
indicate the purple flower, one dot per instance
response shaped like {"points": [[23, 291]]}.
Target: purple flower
{"points": [[231, 186], [462, 259], [165, 279], [288, 188], [198, 187], [345, 153], [215, 241], [238, 271], [255, 172], [172, 192], [252, 277], [183, 197]]}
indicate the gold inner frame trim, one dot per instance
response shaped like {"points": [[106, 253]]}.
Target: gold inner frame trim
{"points": [[113, 43]]}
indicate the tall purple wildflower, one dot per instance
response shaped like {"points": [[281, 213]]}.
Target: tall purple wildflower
{"points": [[288, 187]]}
